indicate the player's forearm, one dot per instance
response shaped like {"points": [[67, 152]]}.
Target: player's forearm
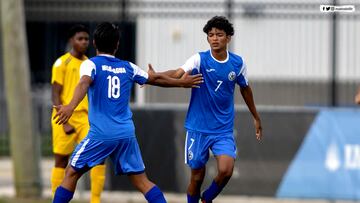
{"points": [[55, 94], [170, 73], [163, 80], [249, 100], [79, 94], [174, 73]]}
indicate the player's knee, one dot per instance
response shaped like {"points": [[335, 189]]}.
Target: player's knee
{"points": [[61, 161], [197, 178], [72, 174], [225, 172]]}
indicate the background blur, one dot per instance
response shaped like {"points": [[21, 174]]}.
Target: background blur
{"points": [[303, 66]]}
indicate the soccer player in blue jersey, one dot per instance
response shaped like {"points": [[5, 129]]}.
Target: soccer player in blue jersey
{"points": [[210, 117], [108, 82]]}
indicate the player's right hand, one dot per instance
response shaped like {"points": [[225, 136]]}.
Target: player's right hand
{"points": [[258, 129], [63, 114], [191, 80], [68, 129]]}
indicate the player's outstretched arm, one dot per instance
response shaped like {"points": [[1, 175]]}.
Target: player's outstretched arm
{"points": [[177, 73], [247, 94], [357, 97], [164, 80], [64, 112]]}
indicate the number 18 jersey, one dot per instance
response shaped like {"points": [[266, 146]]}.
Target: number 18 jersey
{"points": [[110, 116], [211, 108]]}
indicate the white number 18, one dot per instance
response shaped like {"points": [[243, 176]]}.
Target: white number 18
{"points": [[113, 87]]}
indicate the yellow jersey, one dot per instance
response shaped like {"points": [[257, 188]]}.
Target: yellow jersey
{"points": [[66, 72]]}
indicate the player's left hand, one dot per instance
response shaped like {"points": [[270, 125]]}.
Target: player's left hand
{"points": [[258, 129], [63, 114]]}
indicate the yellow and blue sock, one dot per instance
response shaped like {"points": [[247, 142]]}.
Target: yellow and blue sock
{"points": [[154, 195], [211, 193], [57, 176], [62, 195], [97, 178], [193, 198]]}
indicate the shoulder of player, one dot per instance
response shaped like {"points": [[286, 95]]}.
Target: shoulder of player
{"points": [[235, 56], [116, 63], [236, 59], [203, 53], [62, 60]]}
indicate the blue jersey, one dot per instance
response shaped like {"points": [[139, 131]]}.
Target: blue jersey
{"points": [[110, 116], [211, 108]]}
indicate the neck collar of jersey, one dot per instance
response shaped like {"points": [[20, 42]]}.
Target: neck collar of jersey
{"points": [[107, 55], [224, 61]]}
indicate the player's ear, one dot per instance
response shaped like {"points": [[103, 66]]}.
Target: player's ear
{"points": [[94, 43], [71, 41], [228, 38], [117, 46]]}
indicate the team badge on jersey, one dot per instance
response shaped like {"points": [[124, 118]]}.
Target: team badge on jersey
{"points": [[232, 76], [190, 155]]}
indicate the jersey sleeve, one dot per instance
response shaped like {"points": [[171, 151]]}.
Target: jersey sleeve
{"points": [[58, 72], [88, 68], [192, 63], [241, 78], [140, 76]]}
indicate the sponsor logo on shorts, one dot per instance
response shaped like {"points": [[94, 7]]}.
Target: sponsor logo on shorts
{"points": [[190, 155]]}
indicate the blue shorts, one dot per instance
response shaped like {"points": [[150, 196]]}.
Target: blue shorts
{"points": [[124, 153], [197, 147]]}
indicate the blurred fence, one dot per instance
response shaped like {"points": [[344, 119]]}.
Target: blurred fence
{"points": [[287, 45]]}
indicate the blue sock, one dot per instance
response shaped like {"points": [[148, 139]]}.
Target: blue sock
{"points": [[154, 195], [62, 195], [211, 193], [193, 199]]}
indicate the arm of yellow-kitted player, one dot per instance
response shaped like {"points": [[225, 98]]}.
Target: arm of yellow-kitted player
{"points": [[64, 112]]}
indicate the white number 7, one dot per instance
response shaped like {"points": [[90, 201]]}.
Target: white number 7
{"points": [[220, 82]]}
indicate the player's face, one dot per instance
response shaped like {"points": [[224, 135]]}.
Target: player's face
{"points": [[80, 42], [218, 39]]}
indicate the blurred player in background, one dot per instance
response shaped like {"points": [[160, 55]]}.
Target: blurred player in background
{"points": [[108, 82], [210, 117], [357, 97], [65, 76]]}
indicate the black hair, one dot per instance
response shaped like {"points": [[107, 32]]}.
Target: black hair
{"points": [[75, 29], [221, 23], [106, 37]]}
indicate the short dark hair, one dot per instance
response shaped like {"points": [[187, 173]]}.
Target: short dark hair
{"points": [[75, 29], [221, 23], [106, 37]]}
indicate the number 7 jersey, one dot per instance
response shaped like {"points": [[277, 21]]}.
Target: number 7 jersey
{"points": [[110, 116], [211, 108]]}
